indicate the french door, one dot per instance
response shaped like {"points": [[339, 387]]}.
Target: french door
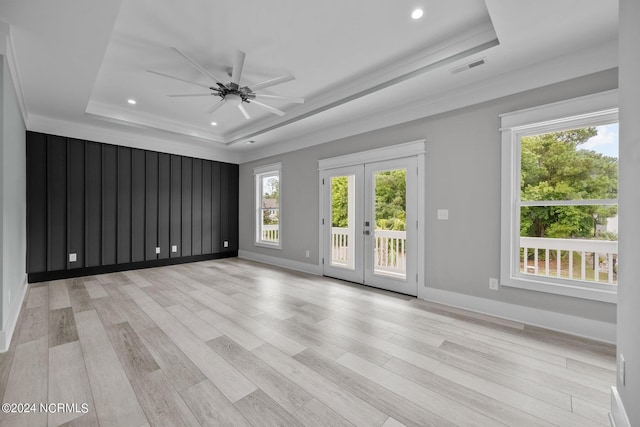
{"points": [[370, 219]]}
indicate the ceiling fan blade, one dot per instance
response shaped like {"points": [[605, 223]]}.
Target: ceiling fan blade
{"points": [[279, 98], [244, 111], [177, 78], [272, 82], [268, 107], [237, 67], [180, 95], [195, 65], [216, 106]]}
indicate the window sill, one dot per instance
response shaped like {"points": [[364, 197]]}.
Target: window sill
{"points": [[268, 245], [566, 289]]}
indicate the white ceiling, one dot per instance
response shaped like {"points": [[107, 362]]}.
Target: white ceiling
{"points": [[359, 64]]}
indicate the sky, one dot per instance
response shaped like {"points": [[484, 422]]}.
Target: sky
{"points": [[605, 142]]}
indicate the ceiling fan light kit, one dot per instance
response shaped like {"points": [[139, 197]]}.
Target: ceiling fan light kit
{"points": [[232, 93]]}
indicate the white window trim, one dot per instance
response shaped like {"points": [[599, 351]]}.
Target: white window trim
{"points": [[584, 111], [258, 172]]}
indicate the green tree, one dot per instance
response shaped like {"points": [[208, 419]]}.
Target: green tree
{"points": [[339, 201], [270, 200], [554, 167], [391, 199]]}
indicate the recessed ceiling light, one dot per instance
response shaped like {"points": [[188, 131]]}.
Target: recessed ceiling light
{"points": [[417, 14], [131, 101], [250, 142], [214, 124]]}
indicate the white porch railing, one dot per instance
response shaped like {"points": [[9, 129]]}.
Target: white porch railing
{"points": [[270, 233], [390, 250], [602, 253]]}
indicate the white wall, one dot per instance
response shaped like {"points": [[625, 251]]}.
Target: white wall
{"points": [[13, 208], [462, 175], [629, 240]]}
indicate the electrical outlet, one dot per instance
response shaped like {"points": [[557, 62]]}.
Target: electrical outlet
{"points": [[73, 257], [493, 284], [443, 214], [174, 248], [621, 369], [157, 250], [307, 253], [226, 244]]}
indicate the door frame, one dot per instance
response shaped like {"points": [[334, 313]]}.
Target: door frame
{"points": [[409, 149]]}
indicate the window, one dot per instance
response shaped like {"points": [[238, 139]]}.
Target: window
{"points": [[559, 198], [268, 217]]}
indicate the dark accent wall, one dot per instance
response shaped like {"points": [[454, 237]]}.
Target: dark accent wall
{"points": [[113, 206]]}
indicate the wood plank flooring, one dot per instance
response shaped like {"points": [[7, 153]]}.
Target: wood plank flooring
{"points": [[236, 343]]}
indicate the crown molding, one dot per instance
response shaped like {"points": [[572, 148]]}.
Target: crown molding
{"points": [[138, 119], [556, 70], [162, 142], [7, 49], [465, 44]]}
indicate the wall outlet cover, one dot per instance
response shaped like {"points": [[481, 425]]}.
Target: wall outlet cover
{"points": [[493, 284], [226, 244], [443, 214], [73, 257], [157, 250], [174, 248]]}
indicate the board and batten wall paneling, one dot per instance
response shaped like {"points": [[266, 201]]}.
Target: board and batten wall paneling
{"points": [[75, 201], [164, 199], [93, 204], [187, 177], [206, 207], [175, 215], [229, 205], [151, 207], [138, 203], [196, 208], [56, 203], [124, 205], [113, 206], [37, 202], [109, 203]]}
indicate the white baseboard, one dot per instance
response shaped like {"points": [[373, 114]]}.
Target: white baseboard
{"points": [[579, 326], [281, 262], [617, 416], [14, 311]]}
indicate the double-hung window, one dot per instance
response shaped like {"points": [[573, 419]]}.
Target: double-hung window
{"points": [[267, 203], [559, 198]]}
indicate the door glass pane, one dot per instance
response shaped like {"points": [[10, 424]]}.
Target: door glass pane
{"points": [[270, 209], [390, 246], [343, 221]]}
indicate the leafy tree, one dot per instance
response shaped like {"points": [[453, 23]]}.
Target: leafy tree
{"points": [[339, 201], [554, 167], [391, 195], [391, 199], [270, 199]]}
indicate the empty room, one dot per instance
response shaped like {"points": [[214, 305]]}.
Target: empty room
{"points": [[339, 213]]}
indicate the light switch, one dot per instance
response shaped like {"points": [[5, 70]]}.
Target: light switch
{"points": [[174, 248], [157, 250], [73, 257], [443, 214]]}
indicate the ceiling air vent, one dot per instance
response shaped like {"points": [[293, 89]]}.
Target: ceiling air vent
{"points": [[468, 66]]}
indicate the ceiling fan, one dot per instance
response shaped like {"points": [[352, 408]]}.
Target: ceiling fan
{"points": [[232, 93]]}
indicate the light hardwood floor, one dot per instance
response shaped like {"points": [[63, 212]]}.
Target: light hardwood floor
{"points": [[236, 343]]}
